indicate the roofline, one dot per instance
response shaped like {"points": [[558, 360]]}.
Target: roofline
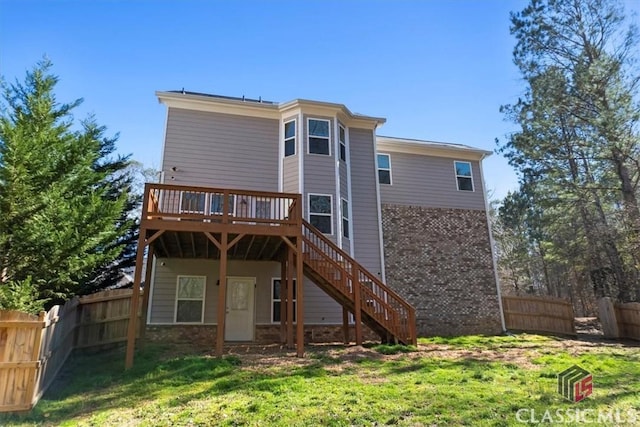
{"points": [[430, 147], [263, 109]]}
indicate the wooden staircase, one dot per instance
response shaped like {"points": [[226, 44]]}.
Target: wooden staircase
{"points": [[357, 289]]}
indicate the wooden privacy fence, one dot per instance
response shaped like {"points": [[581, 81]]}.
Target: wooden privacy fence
{"points": [[619, 320], [33, 349], [539, 314]]}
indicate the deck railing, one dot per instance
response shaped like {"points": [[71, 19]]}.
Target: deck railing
{"points": [[188, 203]]}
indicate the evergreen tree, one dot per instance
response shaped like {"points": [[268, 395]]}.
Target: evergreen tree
{"points": [[578, 148], [65, 197]]}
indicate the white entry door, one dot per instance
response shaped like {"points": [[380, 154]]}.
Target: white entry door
{"points": [[239, 323]]}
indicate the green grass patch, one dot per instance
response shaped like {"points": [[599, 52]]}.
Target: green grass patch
{"points": [[336, 388]]}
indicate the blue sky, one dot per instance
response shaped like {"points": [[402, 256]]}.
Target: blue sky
{"points": [[437, 70]]}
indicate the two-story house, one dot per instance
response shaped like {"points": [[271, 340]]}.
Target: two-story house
{"points": [[393, 232]]}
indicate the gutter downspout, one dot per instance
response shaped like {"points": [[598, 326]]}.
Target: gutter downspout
{"points": [[492, 243]]}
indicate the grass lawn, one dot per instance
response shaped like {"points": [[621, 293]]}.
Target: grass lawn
{"points": [[445, 381]]}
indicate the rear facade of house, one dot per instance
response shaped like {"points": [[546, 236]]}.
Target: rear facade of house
{"points": [[412, 213]]}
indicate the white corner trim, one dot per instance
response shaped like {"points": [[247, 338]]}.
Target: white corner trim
{"points": [[281, 156], [150, 286], [338, 198], [301, 154], [350, 201], [164, 144], [492, 244], [375, 177]]}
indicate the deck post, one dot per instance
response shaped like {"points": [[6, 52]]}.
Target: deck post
{"points": [[358, 304], [289, 317], [135, 297], [299, 297], [345, 325], [145, 294], [283, 296], [222, 293]]}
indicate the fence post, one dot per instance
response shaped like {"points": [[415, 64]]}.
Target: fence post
{"points": [[608, 319]]}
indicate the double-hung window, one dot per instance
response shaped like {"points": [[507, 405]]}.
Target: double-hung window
{"points": [[464, 176], [345, 218], [276, 301], [290, 138], [319, 137], [190, 299], [384, 169], [342, 138], [320, 213]]}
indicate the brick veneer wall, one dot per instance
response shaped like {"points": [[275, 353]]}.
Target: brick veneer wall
{"points": [[440, 261], [203, 337]]}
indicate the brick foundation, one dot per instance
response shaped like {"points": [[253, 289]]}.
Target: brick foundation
{"points": [[440, 261], [204, 336]]}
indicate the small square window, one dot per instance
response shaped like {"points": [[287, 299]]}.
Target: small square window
{"points": [[464, 176]]}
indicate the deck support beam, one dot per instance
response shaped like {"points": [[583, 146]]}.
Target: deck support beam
{"points": [[135, 298], [283, 298], [299, 296], [358, 305], [145, 293], [222, 294], [289, 286], [345, 325]]}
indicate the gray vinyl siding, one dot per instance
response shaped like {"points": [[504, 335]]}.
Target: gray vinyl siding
{"points": [[429, 181], [221, 150], [366, 231], [319, 307], [320, 172]]}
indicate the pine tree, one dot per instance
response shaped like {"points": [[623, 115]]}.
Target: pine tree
{"points": [[65, 197]]}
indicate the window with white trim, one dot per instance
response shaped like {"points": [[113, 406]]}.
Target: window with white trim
{"points": [[192, 202], [290, 138], [345, 218], [342, 138], [464, 175], [276, 301], [190, 299], [217, 202], [320, 212], [318, 135], [384, 169]]}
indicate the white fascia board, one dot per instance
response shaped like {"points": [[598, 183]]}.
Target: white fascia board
{"points": [[431, 149], [218, 105]]}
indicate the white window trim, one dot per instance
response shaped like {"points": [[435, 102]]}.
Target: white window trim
{"points": [[204, 296], [384, 169], [285, 139], [274, 299], [455, 172], [204, 208], [328, 138], [342, 143], [330, 215], [345, 218]]}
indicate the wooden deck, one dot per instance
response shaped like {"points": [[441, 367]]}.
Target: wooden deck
{"points": [[225, 224]]}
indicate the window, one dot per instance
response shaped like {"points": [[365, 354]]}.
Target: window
{"points": [[384, 169], [463, 176], [345, 218], [216, 204], [191, 202], [190, 299], [290, 138], [319, 137], [343, 144], [320, 212], [276, 301]]}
